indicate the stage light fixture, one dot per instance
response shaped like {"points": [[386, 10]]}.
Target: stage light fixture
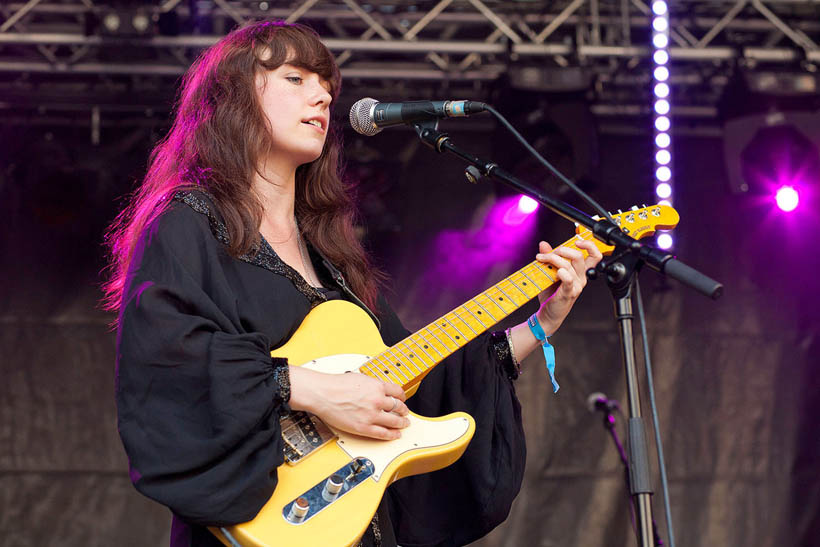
{"points": [[527, 205], [665, 240], [661, 57], [661, 74], [787, 198], [663, 109]]}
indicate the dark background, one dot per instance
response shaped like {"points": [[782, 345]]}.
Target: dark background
{"points": [[736, 379]]}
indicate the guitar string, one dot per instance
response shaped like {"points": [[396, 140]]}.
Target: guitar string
{"points": [[585, 235], [381, 357]]}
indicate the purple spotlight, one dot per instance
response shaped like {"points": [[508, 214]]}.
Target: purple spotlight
{"points": [[664, 190], [664, 241], [787, 198], [527, 205], [663, 140], [662, 123], [515, 213]]}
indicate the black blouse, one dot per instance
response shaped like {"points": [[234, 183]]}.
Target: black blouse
{"points": [[196, 396]]}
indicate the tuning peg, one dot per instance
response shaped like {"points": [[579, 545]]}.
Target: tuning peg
{"points": [[634, 207]]}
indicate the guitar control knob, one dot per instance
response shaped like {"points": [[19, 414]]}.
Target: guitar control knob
{"points": [[298, 510], [332, 487]]}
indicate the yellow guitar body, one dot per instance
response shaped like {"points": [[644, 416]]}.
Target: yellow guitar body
{"points": [[338, 337]]}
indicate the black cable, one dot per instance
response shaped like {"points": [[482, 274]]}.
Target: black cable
{"points": [[650, 383], [594, 204]]}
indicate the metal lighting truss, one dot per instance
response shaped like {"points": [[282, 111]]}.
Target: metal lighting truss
{"points": [[53, 63]]}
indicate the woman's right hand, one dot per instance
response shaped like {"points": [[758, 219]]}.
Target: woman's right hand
{"points": [[352, 402]]}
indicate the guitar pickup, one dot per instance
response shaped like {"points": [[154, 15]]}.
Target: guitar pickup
{"points": [[303, 433]]}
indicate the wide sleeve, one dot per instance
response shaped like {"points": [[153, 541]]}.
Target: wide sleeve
{"points": [[465, 501], [196, 395]]}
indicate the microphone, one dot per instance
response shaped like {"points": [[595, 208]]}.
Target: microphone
{"points": [[598, 401], [369, 116]]}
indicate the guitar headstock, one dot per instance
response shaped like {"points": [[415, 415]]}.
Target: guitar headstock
{"points": [[638, 223]]}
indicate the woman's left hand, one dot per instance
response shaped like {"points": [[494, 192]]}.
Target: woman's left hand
{"points": [[571, 266]]}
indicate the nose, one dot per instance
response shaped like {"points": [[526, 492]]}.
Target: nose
{"points": [[320, 96]]}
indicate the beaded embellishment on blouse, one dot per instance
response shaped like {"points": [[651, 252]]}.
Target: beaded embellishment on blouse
{"points": [[264, 256]]}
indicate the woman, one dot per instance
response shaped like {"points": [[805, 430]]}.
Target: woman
{"points": [[241, 226]]}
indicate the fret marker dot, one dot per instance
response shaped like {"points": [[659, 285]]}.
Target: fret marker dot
{"points": [[458, 337], [387, 372], [426, 346], [411, 356], [500, 298], [479, 313]]}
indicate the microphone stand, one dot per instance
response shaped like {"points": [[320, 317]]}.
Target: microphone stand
{"points": [[627, 258], [609, 425]]}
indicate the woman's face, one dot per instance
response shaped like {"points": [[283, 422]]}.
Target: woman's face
{"points": [[296, 103]]}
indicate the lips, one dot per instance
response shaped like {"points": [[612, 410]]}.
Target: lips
{"points": [[318, 122]]}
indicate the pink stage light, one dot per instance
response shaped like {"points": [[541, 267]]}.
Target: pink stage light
{"points": [[527, 205], [787, 198]]}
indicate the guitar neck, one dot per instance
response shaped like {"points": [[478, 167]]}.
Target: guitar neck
{"points": [[407, 362]]}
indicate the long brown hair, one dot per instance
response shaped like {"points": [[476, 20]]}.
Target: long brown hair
{"points": [[217, 137]]}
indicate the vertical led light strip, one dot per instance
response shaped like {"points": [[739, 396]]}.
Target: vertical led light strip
{"points": [[662, 107]]}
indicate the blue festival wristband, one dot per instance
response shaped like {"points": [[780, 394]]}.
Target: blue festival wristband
{"points": [[549, 351]]}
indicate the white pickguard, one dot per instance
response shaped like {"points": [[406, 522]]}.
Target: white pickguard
{"points": [[421, 433]]}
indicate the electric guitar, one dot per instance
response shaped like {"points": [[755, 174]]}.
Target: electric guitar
{"points": [[332, 482]]}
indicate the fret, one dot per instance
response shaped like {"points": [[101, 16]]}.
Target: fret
{"points": [[501, 299], [437, 339], [385, 374], [420, 364], [448, 335], [475, 317], [410, 338], [465, 322], [397, 367], [407, 359], [427, 344], [412, 355], [521, 271], [485, 310], [371, 369], [497, 305], [447, 319], [528, 297], [544, 272]]}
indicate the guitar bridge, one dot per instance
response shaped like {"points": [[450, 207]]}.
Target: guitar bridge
{"points": [[303, 433]]}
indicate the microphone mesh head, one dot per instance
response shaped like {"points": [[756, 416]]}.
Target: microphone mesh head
{"points": [[360, 119]]}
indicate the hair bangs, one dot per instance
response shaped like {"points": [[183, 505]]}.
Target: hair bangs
{"points": [[299, 46]]}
